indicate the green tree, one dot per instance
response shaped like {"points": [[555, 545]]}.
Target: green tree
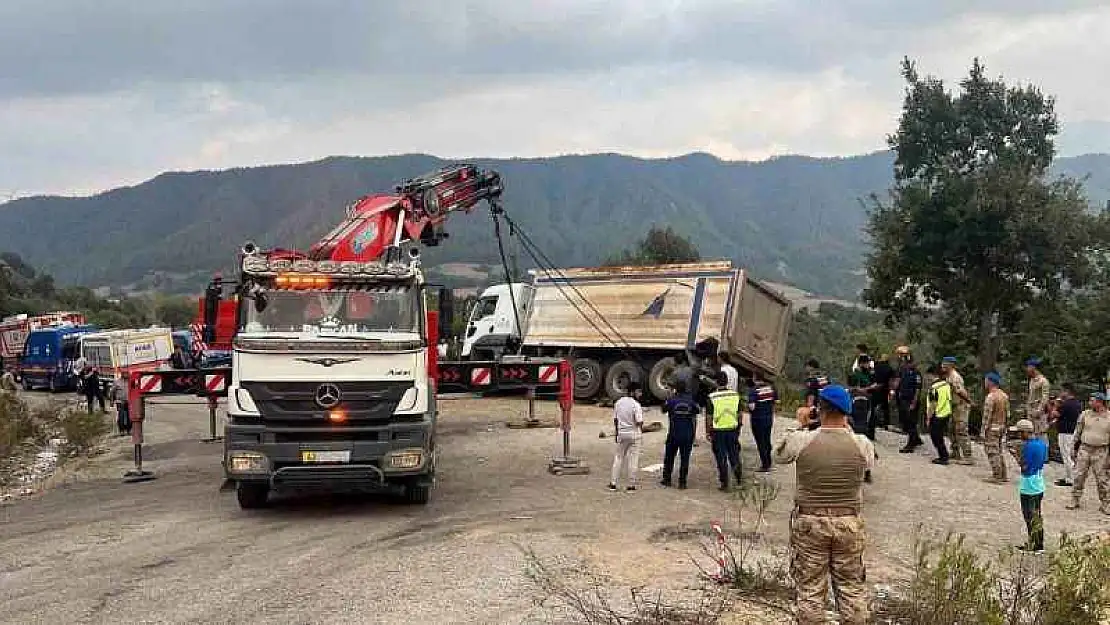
{"points": [[660, 246], [975, 231]]}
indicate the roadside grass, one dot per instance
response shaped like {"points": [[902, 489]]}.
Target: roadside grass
{"points": [[26, 429]]}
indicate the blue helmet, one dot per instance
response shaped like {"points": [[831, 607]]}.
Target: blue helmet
{"points": [[837, 396]]}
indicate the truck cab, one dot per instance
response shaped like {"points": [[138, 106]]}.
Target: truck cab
{"points": [[49, 355], [492, 327], [330, 378]]}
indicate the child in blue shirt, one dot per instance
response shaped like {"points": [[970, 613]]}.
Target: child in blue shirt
{"points": [[1032, 458]]}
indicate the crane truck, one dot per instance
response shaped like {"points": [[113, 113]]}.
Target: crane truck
{"points": [[334, 367]]}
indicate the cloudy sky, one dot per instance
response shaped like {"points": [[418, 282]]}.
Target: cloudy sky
{"points": [[101, 93]]}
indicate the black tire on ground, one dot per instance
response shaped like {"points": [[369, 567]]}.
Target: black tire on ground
{"points": [[252, 496], [587, 378], [26, 384], [418, 493], [657, 378], [619, 375]]}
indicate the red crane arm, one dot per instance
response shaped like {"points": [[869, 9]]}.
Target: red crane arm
{"points": [[415, 212]]}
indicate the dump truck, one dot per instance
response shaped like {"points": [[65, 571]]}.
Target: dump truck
{"points": [[628, 323]]}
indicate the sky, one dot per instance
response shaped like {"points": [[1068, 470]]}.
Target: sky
{"points": [[96, 94]]}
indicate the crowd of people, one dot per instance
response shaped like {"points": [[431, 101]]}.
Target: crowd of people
{"points": [[832, 446]]}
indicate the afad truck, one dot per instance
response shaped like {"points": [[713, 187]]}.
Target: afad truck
{"points": [[628, 323], [113, 352]]}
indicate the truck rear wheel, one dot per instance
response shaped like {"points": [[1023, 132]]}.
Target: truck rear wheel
{"points": [[657, 378], [587, 378], [252, 496], [619, 375]]}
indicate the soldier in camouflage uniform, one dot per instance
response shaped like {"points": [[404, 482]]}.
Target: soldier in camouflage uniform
{"points": [[827, 536], [996, 414], [961, 409], [1036, 401]]}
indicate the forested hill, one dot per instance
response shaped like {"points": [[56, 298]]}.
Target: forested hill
{"points": [[790, 219]]}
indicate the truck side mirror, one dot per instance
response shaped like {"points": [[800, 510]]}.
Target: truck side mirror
{"points": [[212, 296], [446, 312]]}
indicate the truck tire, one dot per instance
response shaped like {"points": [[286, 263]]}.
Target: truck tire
{"points": [[657, 378], [418, 493], [619, 375], [251, 495], [587, 378], [26, 384]]}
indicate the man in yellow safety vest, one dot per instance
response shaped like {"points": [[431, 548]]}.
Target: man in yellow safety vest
{"points": [[722, 428]]}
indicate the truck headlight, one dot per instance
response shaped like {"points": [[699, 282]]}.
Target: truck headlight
{"points": [[247, 462], [406, 459], [408, 400], [244, 401]]}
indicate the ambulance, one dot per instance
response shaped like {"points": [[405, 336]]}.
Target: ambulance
{"points": [[122, 351]]}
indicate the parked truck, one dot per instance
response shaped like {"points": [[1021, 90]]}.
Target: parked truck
{"points": [[49, 356], [15, 329], [628, 323]]}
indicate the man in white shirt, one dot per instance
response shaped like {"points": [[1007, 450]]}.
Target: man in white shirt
{"points": [[730, 372], [628, 421]]}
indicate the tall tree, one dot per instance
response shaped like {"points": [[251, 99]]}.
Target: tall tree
{"points": [[660, 246], [974, 231]]}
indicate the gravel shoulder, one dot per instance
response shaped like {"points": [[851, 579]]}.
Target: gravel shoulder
{"points": [[177, 550]]}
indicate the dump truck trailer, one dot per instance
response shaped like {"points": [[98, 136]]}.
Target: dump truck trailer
{"points": [[628, 323]]}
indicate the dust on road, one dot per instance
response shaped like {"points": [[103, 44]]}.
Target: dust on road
{"points": [[177, 550]]}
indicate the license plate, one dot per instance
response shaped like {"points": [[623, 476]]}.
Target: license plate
{"points": [[326, 456]]}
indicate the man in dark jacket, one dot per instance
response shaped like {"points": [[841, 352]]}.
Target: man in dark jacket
{"points": [[682, 412], [880, 402], [906, 387], [92, 390]]}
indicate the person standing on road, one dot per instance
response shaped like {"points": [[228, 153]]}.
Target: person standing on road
{"points": [[682, 412], [628, 421], [93, 391], [1036, 400], [730, 371], [7, 383], [938, 414], [761, 406], [880, 401], [807, 415], [1031, 454], [1065, 418], [996, 414], [1092, 440], [123, 416], [860, 385], [827, 534], [905, 389], [961, 410], [722, 428]]}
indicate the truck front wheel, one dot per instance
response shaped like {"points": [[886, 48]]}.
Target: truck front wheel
{"points": [[619, 375], [587, 378], [252, 496], [418, 493]]}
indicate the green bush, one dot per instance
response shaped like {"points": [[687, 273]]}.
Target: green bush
{"points": [[81, 431]]}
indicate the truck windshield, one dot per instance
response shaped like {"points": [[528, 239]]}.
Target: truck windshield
{"points": [[386, 309]]}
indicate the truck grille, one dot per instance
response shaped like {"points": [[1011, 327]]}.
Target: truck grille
{"points": [[294, 403]]}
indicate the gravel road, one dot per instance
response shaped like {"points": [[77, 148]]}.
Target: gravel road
{"points": [[177, 550]]}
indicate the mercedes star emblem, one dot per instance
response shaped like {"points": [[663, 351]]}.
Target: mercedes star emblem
{"points": [[327, 395]]}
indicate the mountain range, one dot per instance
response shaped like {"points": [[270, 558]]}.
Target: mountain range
{"points": [[791, 219]]}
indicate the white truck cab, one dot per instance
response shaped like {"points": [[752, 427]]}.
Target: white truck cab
{"points": [[492, 325]]}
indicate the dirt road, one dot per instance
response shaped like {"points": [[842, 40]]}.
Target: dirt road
{"points": [[176, 550]]}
